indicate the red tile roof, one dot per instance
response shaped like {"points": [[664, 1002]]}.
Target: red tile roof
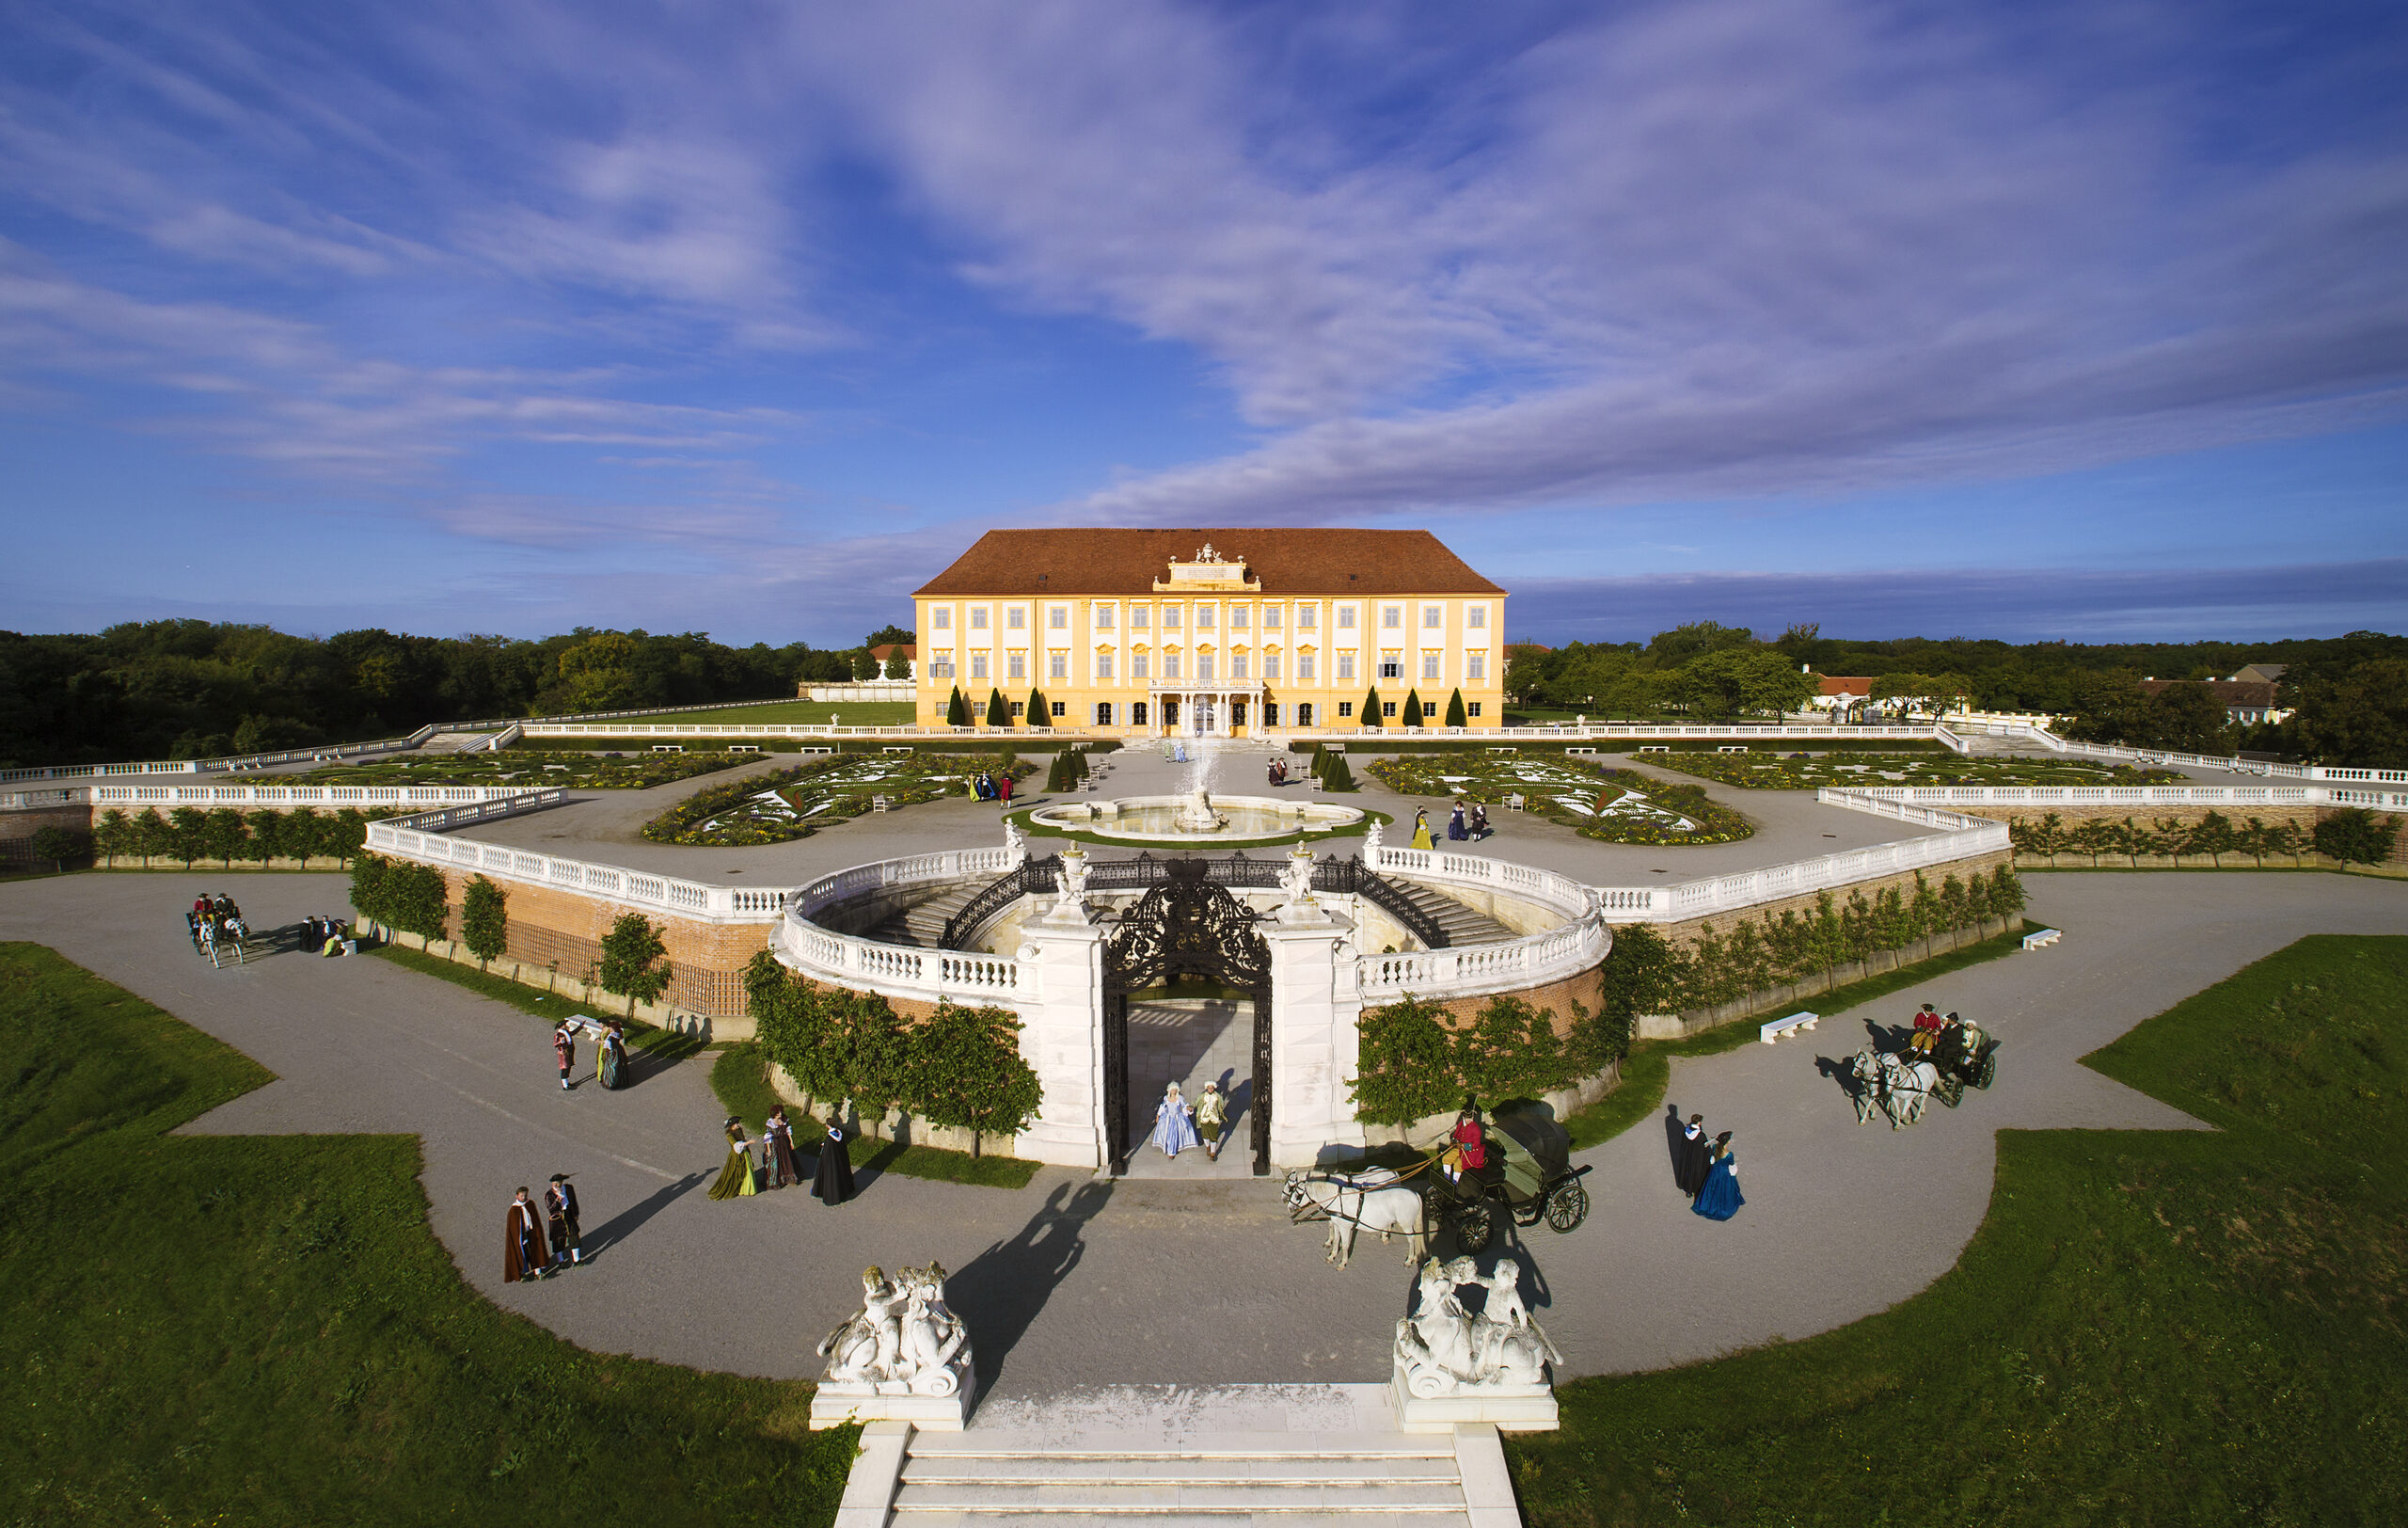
{"points": [[2229, 693], [1280, 559], [885, 650], [1835, 684]]}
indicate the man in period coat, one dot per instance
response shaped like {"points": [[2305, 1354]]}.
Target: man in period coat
{"points": [[559, 1213], [525, 1253]]}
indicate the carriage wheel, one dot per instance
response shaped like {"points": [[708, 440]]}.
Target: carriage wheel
{"points": [[1985, 1074], [1475, 1229], [1951, 1091], [1567, 1207]]}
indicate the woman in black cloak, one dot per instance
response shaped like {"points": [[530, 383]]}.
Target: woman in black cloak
{"points": [[834, 1183], [1695, 1158]]}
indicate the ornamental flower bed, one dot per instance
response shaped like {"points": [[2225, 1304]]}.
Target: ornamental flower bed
{"points": [[533, 768], [794, 803], [1615, 806], [1771, 771]]}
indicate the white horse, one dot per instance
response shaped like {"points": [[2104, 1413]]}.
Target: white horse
{"points": [[1366, 1200], [1905, 1088], [1865, 1068]]}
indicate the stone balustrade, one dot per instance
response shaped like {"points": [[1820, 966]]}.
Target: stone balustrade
{"points": [[2143, 796]]}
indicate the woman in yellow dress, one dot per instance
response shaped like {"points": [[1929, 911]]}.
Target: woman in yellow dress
{"points": [[735, 1179], [1421, 830]]}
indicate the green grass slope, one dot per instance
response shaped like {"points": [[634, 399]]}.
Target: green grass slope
{"points": [[263, 1330], [2150, 1328]]}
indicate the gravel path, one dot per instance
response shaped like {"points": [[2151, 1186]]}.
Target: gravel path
{"points": [[1075, 1281]]}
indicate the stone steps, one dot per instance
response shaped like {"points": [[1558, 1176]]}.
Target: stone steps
{"points": [[1290, 1478], [452, 742], [1464, 925], [923, 926]]}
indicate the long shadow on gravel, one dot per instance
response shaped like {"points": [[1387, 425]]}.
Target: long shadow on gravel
{"points": [[1001, 1290]]}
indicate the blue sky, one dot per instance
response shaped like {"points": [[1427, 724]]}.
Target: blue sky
{"points": [[2083, 320]]}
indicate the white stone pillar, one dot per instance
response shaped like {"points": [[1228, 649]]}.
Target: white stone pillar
{"points": [[1315, 1009], [1062, 1037]]}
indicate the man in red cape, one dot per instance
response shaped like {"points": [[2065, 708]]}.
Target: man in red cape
{"points": [[525, 1251]]}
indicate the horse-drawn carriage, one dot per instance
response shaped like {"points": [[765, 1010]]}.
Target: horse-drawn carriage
{"points": [[1900, 1084], [1527, 1175]]}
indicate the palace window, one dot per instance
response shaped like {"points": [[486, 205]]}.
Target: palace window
{"points": [[1391, 617], [1433, 617], [1345, 709], [1170, 617], [1270, 618], [1016, 618], [1429, 665], [1019, 669], [1139, 663], [1061, 708], [979, 619], [1346, 666], [1170, 665], [1345, 619], [1057, 619], [1138, 713], [1476, 618], [943, 616], [1203, 667], [1472, 708], [1304, 713], [1304, 665], [1239, 615], [1271, 714], [1203, 617], [1103, 617], [978, 665], [1476, 666], [1140, 618], [1270, 666], [1103, 666], [1391, 669], [1388, 707], [1237, 713], [1237, 665], [1308, 617], [1103, 713], [1020, 708], [1058, 666], [941, 667]]}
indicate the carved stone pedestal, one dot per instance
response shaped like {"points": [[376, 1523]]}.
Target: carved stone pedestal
{"points": [[1530, 1410], [836, 1405]]}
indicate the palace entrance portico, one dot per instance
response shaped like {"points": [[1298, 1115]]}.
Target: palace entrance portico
{"points": [[1207, 710]]}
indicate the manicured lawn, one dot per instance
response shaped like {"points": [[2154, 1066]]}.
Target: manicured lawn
{"points": [[528, 769], [658, 1046], [740, 1077], [2150, 1328], [1618, 805], [855, 713], [263, 1330]]}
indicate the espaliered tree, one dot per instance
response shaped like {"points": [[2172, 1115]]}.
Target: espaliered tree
{"points": [[632, 965], [999, 713], [484, 919], [956, 710], [1455, 716], [1413, 707], [1372, 707]]}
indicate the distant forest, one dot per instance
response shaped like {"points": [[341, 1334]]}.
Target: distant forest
{"points": [[193, 689], [2351, 693]]}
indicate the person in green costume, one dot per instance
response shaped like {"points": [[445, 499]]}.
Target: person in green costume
{"points": [[735, 1179]]}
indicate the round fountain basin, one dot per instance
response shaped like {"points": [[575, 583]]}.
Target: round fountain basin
{"points": [[1155, 819]]}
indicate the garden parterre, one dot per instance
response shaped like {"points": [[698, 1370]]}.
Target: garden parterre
{"points": [[1617, 806], [534, 769], [1797, 772], [794, 803]]}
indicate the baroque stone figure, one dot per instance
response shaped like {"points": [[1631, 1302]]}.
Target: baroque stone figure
{"points": [[1443, 1349], [1371, 847], [903, 1341]]}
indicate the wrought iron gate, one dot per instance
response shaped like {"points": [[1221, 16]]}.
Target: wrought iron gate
{"points": [[1184, 925]]}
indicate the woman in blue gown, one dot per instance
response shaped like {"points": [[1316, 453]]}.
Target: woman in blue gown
{"points": [[1174, 1126], [1719, 1199]]}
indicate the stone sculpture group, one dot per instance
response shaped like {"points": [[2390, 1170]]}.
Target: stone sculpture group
{"points": [[1454, 1364], [903, 1356]]}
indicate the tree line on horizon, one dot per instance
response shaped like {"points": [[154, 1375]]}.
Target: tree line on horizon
{"points": [[189, 689], [2350, 692]]}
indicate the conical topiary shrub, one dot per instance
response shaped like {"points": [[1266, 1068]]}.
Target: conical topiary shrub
{"points": [[1455, 717], [998, 713]]}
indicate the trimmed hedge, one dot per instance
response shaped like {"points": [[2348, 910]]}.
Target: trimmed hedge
{"points": [[1413, 1063]]}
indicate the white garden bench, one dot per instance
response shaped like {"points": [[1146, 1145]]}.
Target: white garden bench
{"points": [[1773, 1029], [1569, 752], [904, 751], [1646, 748], [1516, 801], [668, 748], [744, 748], [830, 749], [2042, 938], [1731, 748], [878, 804]]}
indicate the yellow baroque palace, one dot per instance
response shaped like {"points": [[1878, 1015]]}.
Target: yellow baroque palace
{"points": [[1225, 632]]}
